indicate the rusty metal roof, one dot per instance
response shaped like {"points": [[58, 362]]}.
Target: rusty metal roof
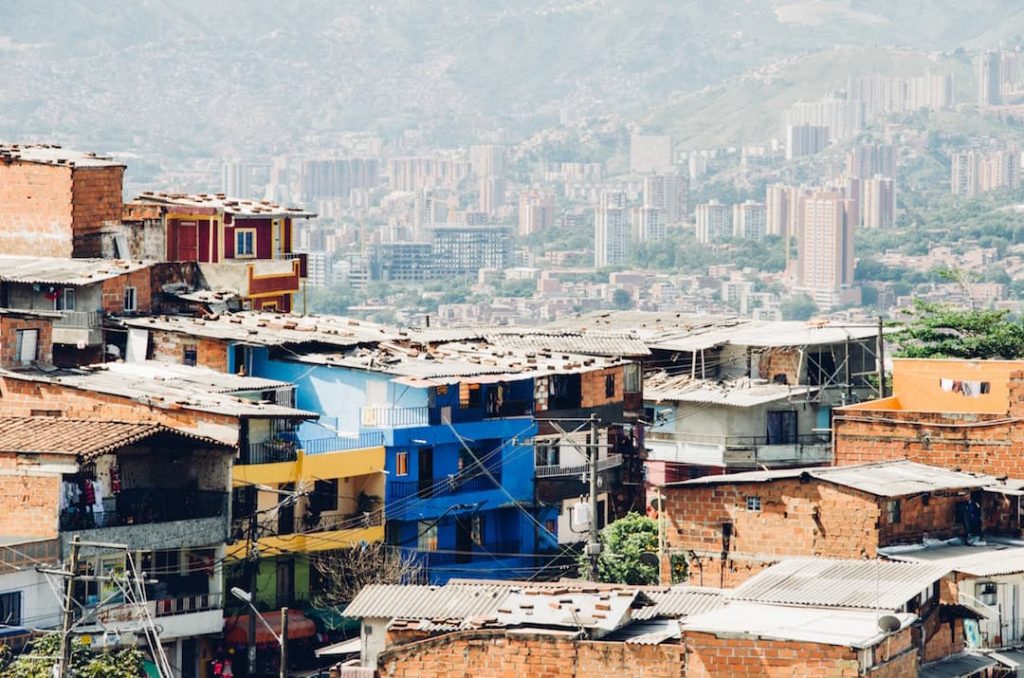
{"points": [[82, 438]]}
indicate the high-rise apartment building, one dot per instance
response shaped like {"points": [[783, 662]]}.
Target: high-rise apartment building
{"points": [[974, 172], [804, 140], [712, 222], [649, 224], [650, 153], [868, 160], [825, 263], [336, 178], [415, 173], [611, 230], [777, 204], [882, 94], [844, 118], [749, 220], [488, 160], [536, 211], [670, 192], [492, 193], [990, 79], [878, 202], [235, 179]]}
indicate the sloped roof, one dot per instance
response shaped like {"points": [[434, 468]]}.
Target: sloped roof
{"points": [[989, 559], [883, 479], [391, 601], [234, 206], [58, 271], [839, 583], [52, 154], [82, 438], [681, 601], [660, 387]]}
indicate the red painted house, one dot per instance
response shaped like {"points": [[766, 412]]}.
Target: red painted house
{"points": [[240, 244]]}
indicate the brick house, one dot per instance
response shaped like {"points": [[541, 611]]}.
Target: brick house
{"points": [[959, 414], [50, 195], [730, 527], [26, 337], [81, 293], [243, 245]]}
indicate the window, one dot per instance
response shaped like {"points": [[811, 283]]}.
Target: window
{"points": [[782, 427], [893, 511], [631, 378], [325, 493], [27, 348], [469, 396], [130, 300], [547, 453], [426, 539], [753, 503], [609, 386], [65, 301], [46, 413], [190, 355], [245, 242], [10, 608], [402, 464]]}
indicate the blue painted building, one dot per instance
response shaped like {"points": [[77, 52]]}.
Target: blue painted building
{"points": [[459, 452]]}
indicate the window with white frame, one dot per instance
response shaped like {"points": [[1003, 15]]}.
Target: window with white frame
{"points": [[27, 348], [130, 300], [753, 503], [245, 242], [65, 301]]}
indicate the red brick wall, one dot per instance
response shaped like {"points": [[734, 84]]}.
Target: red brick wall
{"points": [[29, 504], [112, 292], [708, 655], [592, 387], [96, 193], [170, 347], [781, 361], [9, 339], [35, 210], [492, 654]]}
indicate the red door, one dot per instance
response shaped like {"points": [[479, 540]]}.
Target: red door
{"points": [[188, 241]]}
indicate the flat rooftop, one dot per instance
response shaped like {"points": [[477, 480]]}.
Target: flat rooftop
{"points": [[238, 207], [52, 154]]}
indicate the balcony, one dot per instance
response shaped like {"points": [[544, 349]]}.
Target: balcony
{"points": [[182, 616], [78, 327], [270, 452], [493, 410], [343, 442], [303, 260], [487, 553], [441, 487], [702, 449], [555, 471], [395, 417]]}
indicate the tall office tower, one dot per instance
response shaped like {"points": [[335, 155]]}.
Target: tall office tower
{"points": [[825, 248], [536, 211], [868, 160], [803, 140], [649, 224], [488, 160], [990, 79], [964, 180], [712, 222], [878, 202], [235, 179], [492, 193], [650, 153], [749, 220], [843, 117], [611, 230], [670, 192]]}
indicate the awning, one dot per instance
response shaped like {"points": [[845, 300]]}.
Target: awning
{"points": [[330, 619], [236, 628], [350, 646]]}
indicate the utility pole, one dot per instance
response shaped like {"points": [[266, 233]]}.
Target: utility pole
{"points": [[284, 642], [69, 608], [880, 353], [594, 545], [252, 563], [661, 541]]}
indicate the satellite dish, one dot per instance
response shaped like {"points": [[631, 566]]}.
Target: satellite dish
{"points": [[889, 623], [651, 560]]}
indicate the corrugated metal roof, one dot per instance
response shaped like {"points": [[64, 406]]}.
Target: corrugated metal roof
{"points": [[603, 611], [839, 583], [661, 387], [982, 560], [883, 479], [391, 601], [583, 343], [681, 601], [51, 154], [56, 271], [647, 632], [239, 207], [958, 666], [825, 625]]}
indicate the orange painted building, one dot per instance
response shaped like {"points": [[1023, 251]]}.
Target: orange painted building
{"points": [[961, 414]]}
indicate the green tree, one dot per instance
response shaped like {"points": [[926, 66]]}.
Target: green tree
{"points": [[798, 307], [622, 299], [625, 542], [942, 331], [123, 663]]}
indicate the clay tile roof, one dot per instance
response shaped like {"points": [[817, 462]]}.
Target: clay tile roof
{"points": [[78, 437]]}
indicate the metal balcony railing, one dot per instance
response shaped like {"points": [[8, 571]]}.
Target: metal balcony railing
{"points": [[303, 262], [188, 603], [440, 487], [341, 443], [394, 417], [142, 506], [739, 442], [555, 470], [269, 452], [87, 320]]}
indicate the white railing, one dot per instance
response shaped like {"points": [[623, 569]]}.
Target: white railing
{"points": [[554, 470], [85, 320]]}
